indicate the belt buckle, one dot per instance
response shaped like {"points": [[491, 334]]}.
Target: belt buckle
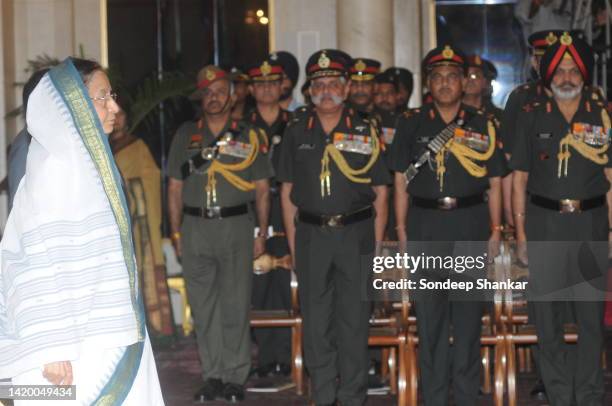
{"points": [[569, 206], [212, 212], [447, 203], [334, 221]]}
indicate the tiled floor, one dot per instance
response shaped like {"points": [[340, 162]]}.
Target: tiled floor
{"points": [[179, 372]]}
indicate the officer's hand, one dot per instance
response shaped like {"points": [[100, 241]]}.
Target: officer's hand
{"points": [[521, 250], [402, 238], [178, 248], [58, 373], [259, 246], [401, 234], [494, 244]]}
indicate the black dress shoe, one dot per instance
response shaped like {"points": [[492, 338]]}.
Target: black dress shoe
{"points": [[233, 393], [266, 370], [211, 390], [539, 391]]}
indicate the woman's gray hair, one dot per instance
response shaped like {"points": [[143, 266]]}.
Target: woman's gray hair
{"points": [[86, 68]]}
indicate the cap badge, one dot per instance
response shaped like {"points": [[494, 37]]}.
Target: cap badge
{"points": [[551, 38], [566, 39], [360, 66], [448, 53], [324, 61], [265, 68], [210, 74]]}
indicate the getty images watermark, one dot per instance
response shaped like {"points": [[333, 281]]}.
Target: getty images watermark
{"points": [[425, 272]]}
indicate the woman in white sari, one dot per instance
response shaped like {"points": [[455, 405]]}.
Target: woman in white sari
{"points": [[70, 308]]}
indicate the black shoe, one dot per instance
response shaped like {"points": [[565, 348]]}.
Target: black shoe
{"points": [[282, 369], [233, 393], [211, 390], [539, 391], [266, 370]]}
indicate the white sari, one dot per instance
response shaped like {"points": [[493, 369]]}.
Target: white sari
{"points": [[68, 284]]}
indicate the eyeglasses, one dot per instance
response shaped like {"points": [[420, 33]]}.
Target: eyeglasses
{"points": [[438, 78], [105, 99], [334, 86]]}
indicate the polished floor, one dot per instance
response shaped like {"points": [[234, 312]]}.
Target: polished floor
{"points": [[179, 372]]}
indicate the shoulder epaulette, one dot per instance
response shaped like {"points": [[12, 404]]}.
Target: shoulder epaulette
{"points": [[410, 112], [531, 106], [298, 114]]}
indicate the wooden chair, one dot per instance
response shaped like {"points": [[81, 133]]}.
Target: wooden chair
{"points": [[287, 318], [391, 332]]}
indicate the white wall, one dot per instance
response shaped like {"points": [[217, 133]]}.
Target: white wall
{"points": [[302, 27]]}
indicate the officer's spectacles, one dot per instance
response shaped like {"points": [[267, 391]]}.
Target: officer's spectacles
{"points": [[106, 98], [438, 78], [334, 86], [572, 72], [474, 76]]}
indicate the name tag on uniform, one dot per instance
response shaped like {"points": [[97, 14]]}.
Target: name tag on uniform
{"points": [[306, 146], [236, 149], [423, 139], [388, 133], [591, 134], [476, 141], [360, 144], [544, 136], [195, 142]]}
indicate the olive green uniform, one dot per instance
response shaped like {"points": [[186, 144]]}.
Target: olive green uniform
{"points": [[218, 252]]}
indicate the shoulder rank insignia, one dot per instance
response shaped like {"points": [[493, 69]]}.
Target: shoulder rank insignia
{"points": [[195, 141]]}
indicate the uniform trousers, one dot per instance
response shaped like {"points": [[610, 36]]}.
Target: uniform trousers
{"points": [[218, 269], [442, 314], [333, 266], [568, 264]]}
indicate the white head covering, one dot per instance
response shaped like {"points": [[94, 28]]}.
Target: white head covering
{"points": [[68, 270]]}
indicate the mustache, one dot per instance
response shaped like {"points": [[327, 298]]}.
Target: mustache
{"points": [[566, 85], [566, 90], [329, 97]]}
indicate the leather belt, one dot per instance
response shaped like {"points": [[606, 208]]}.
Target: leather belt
{"points": [[448, 203], [216, 212], [337, 220], [568, 205]]}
